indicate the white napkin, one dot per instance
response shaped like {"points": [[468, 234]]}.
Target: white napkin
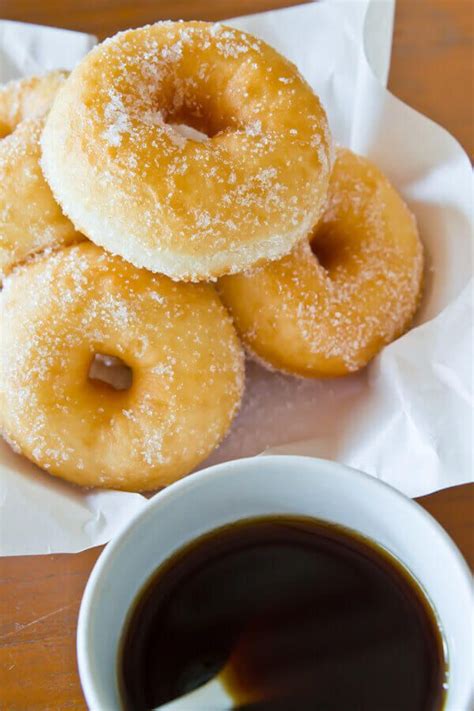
{"points": [[407, 418], [34, 49]]}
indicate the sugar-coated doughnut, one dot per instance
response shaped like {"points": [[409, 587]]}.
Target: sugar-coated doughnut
{"points": [[57, 312], [30, 218], [330, 306], [140, 183], [28, 98]]}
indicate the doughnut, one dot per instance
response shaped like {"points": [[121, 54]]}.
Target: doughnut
{"points": [[57, 313], [328, 308], [28, 98], [30, 218], [194, 150]]}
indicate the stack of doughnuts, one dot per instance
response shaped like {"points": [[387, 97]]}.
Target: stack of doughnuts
{"points": [[174, 199]]}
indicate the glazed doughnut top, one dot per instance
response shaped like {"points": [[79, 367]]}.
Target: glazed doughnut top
{"points": [[143, 183]]}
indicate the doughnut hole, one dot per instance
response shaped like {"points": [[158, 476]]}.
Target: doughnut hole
{"points": [[110, 372], [331, 247], [5, 130], [195, 111], [191, 123]]}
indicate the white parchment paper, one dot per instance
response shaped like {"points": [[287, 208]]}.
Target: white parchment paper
{"points": [[408, 417]]}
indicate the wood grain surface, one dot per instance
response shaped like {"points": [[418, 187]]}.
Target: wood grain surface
{"points": [[432, 70]]}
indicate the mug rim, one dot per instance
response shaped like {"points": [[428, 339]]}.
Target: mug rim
{"points": [[113, 548]]}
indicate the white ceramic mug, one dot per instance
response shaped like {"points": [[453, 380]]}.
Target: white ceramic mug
{"points": [[272, 485]]}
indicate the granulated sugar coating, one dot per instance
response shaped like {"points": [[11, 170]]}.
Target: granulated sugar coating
{"points": [[330, 306], [60, 311], [30, 218], [27, 99], [139, 182]]}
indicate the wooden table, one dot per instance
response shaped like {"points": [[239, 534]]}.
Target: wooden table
{"points": [[39, 596]]}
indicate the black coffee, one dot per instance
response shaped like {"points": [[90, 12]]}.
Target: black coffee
{"points": [[302, 614]]}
